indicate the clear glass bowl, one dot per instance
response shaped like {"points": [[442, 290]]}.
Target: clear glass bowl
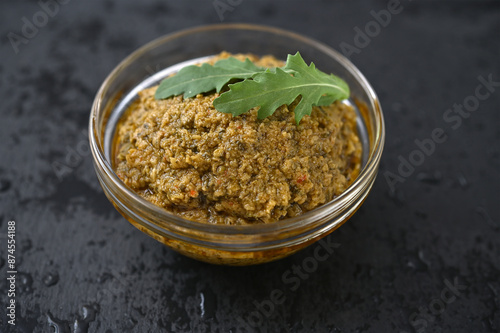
{"points": [[229, 244]]}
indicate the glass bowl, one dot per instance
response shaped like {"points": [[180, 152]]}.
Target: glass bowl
{"points": [[230, 244]]}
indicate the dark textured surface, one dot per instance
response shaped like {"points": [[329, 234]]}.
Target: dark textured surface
{"points": [[82, 267]]}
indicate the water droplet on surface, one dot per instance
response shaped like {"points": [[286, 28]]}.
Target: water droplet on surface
{"points": [[202, 305], [423, 259], [79, 325], [89, 312], [416, 263], [59, 326], [208, 303], [50, 279], [88, 315], [25, 282]]}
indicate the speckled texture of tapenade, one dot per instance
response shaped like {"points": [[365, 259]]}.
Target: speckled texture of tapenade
{"points": [[208, 166]]}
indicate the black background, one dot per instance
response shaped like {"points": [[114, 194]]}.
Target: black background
{"points": [[75, 253]]}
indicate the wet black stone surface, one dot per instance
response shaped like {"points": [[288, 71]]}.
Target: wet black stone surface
{"points": [[82, 267]]}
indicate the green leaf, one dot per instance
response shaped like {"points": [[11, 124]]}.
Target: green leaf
{"points": [[193, 80], [271, 89]]}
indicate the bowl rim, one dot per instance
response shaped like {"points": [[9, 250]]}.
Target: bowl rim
{"points": [[285, 225]]}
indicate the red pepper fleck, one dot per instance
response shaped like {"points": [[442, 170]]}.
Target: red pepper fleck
{"points": [[193, 193], [230, 203], [301, 179], [240, 127]]}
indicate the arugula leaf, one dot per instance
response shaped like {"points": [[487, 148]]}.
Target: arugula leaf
{"points": [[271, 89], [193, 80], [258, 87]]}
